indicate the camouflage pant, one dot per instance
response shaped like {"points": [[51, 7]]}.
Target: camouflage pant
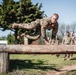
{"points": [[30, 26]]}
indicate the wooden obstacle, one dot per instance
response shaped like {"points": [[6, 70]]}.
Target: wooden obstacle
{"points": [[5, 50]]}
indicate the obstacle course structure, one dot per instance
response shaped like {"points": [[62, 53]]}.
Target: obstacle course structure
{"points": [[5, 50]]}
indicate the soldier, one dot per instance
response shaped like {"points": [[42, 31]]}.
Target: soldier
{"points": [[72, 41], [40, 25], [66, 41], [72, 38], [56, 42], [75, 41]]}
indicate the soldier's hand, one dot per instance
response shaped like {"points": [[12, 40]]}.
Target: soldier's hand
{"points": [[14, 25], [18, 37], [47, 42], [23, 34]]}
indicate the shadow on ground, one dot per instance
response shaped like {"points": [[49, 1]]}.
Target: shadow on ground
{"points": [[28, 64], [73, 58], [72, 72]]}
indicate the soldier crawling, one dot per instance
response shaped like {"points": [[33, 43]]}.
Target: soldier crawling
{"points": [[40, 25]]}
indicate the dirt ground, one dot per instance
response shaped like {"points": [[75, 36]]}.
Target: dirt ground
{"points": [[62, 70]]}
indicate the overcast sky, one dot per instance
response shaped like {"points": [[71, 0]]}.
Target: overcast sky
{"points": [[65, 8]]}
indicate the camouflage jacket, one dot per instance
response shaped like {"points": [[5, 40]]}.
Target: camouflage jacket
{"points": [[66, 40]]}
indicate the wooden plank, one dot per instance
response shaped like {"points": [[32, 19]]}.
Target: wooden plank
{"points": [[39, 49]]}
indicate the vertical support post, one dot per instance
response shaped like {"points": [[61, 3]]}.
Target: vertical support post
{"points": [[4, 62], [25, 40]]}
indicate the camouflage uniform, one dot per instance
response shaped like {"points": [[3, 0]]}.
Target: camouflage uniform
{"points": [[57, 42], [75, 40], [41, 25], [52, 41], [66, 40], [72, 42]]}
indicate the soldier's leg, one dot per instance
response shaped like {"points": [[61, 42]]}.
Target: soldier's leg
{"points": [[28, 26], [66, 56], [71, 55], [57, 55], [33, 36], [36, 35]]}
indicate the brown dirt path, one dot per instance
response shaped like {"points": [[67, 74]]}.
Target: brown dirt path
{"points": [[62, 70]]}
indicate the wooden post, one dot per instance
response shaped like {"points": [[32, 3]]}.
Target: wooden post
{"points": [[4, 62], [25, 40]]}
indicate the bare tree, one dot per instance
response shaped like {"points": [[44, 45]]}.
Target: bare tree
{"points": [[62, 29], [68, 28], [73, 27]]}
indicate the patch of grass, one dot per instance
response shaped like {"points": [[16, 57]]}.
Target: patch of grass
{"points": [[37, 64], [2, 74], [42, 60], [28, 72]]}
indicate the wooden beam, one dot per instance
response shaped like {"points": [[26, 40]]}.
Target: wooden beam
{"points": [[39, 49]]}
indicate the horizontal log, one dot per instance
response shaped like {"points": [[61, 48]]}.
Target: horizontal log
{"points": [[39, 49]]}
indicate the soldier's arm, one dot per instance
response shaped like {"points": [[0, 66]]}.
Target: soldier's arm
{"points": [[43, 32], [31, 36], [43, 29], [29, 26], [35, 37], [54, 31]]}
